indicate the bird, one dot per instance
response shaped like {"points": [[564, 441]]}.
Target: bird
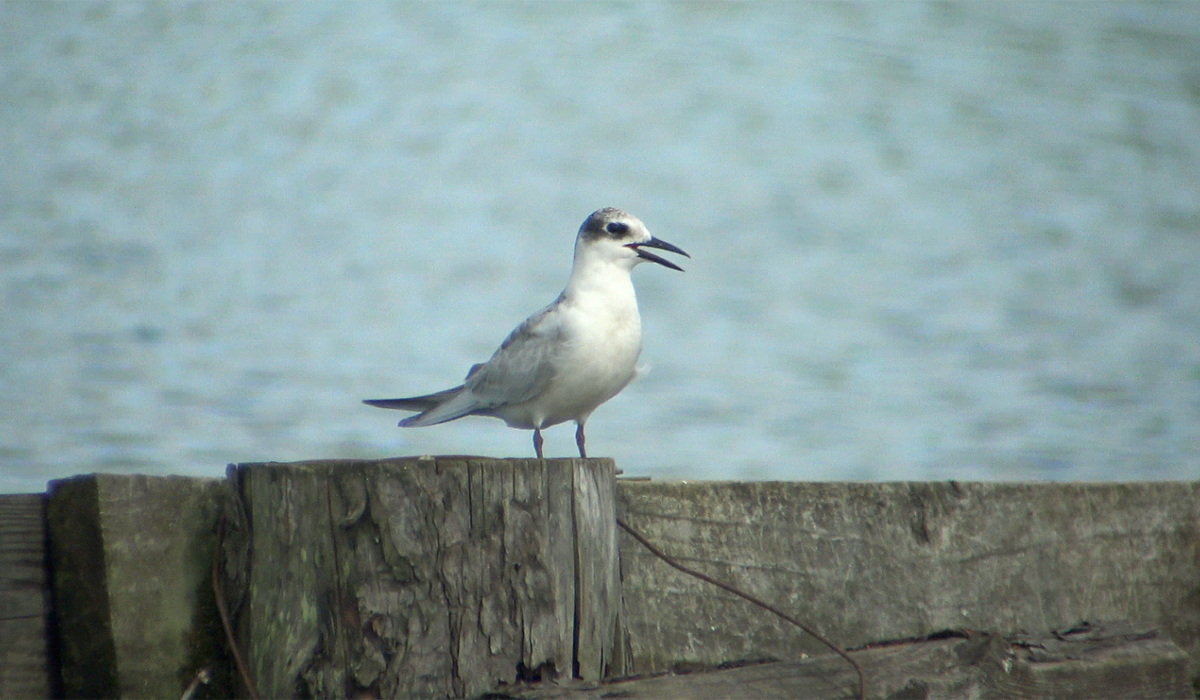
{"points": [[562, 362]]}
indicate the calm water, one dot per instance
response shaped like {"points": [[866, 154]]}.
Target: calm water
{"points": [[929, 240]]}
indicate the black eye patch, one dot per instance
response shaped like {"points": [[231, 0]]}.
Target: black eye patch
{"points": [[617, 227]]}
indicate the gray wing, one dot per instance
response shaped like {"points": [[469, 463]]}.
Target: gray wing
{"points": [[522, 367], [518, 371]]}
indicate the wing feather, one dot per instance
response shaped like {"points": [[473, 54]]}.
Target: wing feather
{"points": [[518, 371], [415, 403], [522, 367]]}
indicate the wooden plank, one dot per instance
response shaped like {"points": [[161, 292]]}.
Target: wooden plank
{"points": [[871, 561], [599, 580], [429, 577], [24, 598], [134, 606], [918, 670], [510, 552], [86, 650], [1093, 660], [981, 666]]}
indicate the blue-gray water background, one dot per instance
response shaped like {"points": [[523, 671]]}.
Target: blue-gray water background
{"points": [[929, 240]]}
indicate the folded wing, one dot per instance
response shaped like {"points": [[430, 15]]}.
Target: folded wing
{"points": [[519, 370]]}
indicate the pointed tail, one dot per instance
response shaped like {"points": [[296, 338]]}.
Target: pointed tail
{"points": [[433, 408], [415, 403]]}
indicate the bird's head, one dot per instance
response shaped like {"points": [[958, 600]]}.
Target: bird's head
{"points": [[615, 236]]}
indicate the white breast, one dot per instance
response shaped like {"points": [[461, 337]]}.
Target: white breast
{"points": [[602, 334]]}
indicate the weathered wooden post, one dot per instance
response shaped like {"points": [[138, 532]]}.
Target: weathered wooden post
{"points": [[443, 577]]}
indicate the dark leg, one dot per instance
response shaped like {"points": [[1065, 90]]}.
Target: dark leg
{"points": [[579, 441], [537, 442]]}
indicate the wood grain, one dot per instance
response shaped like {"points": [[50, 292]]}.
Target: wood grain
{"points": [[24, 598], [442, 577]]}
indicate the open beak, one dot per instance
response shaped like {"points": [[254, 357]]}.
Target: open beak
{"points": [[661, 245]]}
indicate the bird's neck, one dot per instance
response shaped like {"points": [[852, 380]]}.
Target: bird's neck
{"points": [[601, 282]]}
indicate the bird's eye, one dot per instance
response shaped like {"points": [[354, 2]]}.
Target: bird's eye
{"points": [[617, 227]]}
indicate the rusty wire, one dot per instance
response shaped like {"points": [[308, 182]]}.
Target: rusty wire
{"points": [[219, 592], [862, 678]]}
